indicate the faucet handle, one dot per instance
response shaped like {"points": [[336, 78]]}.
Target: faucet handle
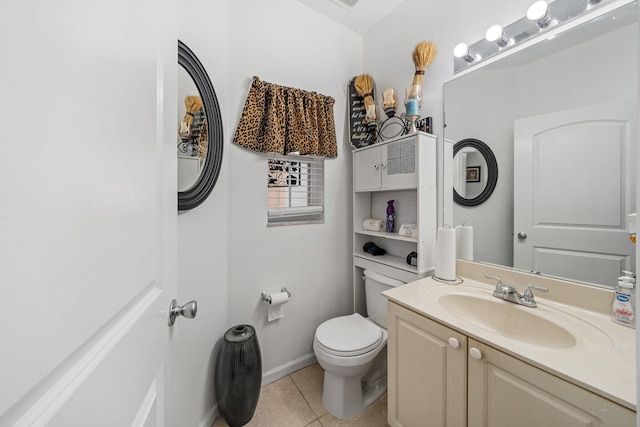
{"points": [[499, 280], [500, 290], [528, 293]]}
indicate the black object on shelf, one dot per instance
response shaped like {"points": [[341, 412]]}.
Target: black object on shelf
{"points": [[412, 258], [238, 375], [373, 249]]}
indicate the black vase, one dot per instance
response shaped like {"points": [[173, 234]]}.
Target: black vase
{"points": [[238, 375]]}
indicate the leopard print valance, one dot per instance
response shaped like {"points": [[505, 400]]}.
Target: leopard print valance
{"points": [[283, 120]]}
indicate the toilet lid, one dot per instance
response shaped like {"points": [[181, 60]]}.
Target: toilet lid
{"points": [[349, 335]]}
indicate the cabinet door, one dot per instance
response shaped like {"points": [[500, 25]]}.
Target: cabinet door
{"points": [[427, 371], [506, 392], [366, 169], [398, 164]]}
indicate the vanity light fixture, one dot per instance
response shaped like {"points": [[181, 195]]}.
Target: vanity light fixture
{"points": [[462, 51], [539, 12], [496, 34], [541, 18]]}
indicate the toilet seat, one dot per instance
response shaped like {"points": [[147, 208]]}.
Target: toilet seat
{"points": [[346, 336]]}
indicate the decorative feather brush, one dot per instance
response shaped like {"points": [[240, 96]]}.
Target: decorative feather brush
{"points": [[192, 104], [423, 54], [364, 87]]}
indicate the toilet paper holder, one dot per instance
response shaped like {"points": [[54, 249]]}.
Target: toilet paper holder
{"points": [[267, 297]]}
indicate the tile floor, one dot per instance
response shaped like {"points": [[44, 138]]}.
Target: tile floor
{"points": [[296, 401]]}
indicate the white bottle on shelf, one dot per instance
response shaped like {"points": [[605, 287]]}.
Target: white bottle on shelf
{"points": [[623, 307]]}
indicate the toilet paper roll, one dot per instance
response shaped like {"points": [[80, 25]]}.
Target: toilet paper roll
{"points": [[464, 242], [275, 310], [445, 258], [372, 224]]}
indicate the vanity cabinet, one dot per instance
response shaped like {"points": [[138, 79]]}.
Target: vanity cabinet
{"points": [[402, 169], [439, 377], [505, 391], [427, 373]]}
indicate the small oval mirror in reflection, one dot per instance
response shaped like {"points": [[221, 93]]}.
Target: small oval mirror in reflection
{"points": [[469, 172], [192, 138], [475, 172]]}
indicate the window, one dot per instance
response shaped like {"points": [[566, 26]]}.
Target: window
{"points": [[295, 189]]}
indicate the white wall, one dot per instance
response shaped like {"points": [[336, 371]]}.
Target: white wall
{"points": [[287, 43], [388, 47], [202, 232]]}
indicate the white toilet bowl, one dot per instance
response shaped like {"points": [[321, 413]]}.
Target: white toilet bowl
{"points": [[352, 350]]}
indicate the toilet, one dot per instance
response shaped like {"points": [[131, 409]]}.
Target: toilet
{"points": [[352, 350]]}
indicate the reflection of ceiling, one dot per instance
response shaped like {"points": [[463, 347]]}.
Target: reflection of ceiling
{"points": [[359, 15]]}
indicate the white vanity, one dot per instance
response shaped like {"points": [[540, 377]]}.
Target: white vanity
{"points": [[460, 357]]}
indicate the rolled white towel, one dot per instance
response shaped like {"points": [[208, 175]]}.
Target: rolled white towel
{"points": [[409, 230], [372, 224]]}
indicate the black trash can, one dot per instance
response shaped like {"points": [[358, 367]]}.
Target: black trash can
{"points": [[238, 375]]}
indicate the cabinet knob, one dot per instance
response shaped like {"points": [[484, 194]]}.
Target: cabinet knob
{"points": [[475, 353], [453, 342], [375, 167], [382, 165]]}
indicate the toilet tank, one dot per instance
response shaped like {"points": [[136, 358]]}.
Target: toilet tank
{"points": [[374, 285]]}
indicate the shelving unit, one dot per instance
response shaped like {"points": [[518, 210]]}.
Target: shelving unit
{"points": [[402, 169]]}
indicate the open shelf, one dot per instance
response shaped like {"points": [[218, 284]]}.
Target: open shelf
{"points": [[385, 235], [390, 260]]}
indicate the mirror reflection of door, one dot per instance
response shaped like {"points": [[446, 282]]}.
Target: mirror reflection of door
{"points": [[470, 172], [573, 189], [191, 132]]}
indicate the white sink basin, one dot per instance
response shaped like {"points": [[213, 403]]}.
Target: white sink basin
{"points": [[508, 319]]}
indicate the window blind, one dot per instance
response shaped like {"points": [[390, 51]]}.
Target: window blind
{"points": [[295, 189]]}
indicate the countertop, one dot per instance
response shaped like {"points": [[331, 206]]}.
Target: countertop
{"points": [[603, 360]]}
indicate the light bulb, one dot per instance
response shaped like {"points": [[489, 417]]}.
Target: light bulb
{"points": [[539, 12], [496, 34], [462, 51]]}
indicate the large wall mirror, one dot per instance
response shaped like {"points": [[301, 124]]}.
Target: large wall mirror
{"points": [[561, 118], [199, 135]]}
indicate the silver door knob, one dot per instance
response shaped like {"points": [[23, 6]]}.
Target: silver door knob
{"points": [[188, 310], [522, 236]]}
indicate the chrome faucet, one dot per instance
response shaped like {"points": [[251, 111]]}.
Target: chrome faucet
{"points": [[511, 294]]}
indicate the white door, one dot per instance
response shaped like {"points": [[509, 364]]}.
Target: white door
{"points": [[87, 212], [573, 187]]}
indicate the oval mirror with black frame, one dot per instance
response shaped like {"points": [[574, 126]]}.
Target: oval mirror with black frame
{"points": [[200, 138], [475, 172]]}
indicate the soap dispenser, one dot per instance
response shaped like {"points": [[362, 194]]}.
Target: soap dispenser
{"points": [[624, 301]]}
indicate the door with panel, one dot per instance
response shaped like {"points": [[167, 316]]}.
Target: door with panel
{"points": [[573, 187], [88, 223]]}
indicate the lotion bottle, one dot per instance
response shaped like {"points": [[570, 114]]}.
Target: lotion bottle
{"points": [[624, 301]]}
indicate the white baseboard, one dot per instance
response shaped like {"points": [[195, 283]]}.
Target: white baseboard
{"points": [[210, 417], [289, 367]]}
